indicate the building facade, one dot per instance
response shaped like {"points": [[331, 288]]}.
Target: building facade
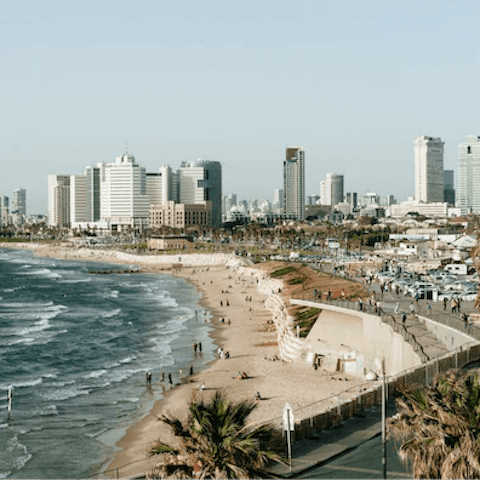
{"points": [[428, 153], [180, 215], [78, 199], [19, 206], [201, 181], [93, 192], [124, 202], [4, 209], [469, 175], [58, 212], [294, 183], [449, 187], [333, 189]]}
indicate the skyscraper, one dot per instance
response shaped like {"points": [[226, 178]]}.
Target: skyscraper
{"points": [[123, 194], [19, 206], [333, 189], [448, 187], [428, 169], [159, 186], [93, 186], [469, 175], [3, 211], [78, 199], [294, 183], [58, 212], [201, 181]]}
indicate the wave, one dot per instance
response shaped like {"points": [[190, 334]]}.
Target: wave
{"points": [[48, 411], [96, 374], [81, 280], [96, 434], [128, 359], [28, 383], [43, 272], [3, 425], [14, 289], [64, 394], [111, 294], [111, 313]]}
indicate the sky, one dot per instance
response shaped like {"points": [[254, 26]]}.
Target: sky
{"points": [[352, 82]]}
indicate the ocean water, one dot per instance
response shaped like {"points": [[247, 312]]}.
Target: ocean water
{"points": [[76, 347]]}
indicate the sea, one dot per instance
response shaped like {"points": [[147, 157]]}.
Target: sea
{"points": [[75, 347]]}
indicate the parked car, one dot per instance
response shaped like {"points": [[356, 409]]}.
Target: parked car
{"points": [[469, 296]]}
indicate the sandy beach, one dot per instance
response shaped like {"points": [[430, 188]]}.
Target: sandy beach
{"points": [[249, 336]]}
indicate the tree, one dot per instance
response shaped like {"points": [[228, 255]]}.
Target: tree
{"points": [[439, 426], [215, 442]]}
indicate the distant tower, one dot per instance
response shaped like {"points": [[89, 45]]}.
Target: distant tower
{"points": [[448, 187], [199, 182], [428, 169], [469, 175], [3, 211], [19, 206], [333, 189], [58, 213], [294, 183]]}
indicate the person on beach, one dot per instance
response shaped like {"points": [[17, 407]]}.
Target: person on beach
{"points": [[194, 347], [170, 381], [228, 304], [149, 377], [221, 303], [200, 347], [180, 372], [162, 377], [191, 369]]}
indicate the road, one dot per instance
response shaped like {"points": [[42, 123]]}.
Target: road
{"points": [[363, 462]]}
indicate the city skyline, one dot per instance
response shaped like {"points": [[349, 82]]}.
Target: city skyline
{"points": [[209, 81]]}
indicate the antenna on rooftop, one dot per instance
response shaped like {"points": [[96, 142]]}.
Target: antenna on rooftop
{"points": [[126, 148]]}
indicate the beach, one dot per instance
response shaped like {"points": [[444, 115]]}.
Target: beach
{"points": [[248, 333]]}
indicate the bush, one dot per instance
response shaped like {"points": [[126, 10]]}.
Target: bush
{"points": [[282, 271], [295, 281]]}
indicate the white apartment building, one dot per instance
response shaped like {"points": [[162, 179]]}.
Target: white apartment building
{"points": [[294, 183], [58, 211], [78, 199], [201, 181], [436, 209], [277, 199], [469, 175], [428, 153], [124, 201]]}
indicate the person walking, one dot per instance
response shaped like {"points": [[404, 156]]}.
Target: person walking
{"points": [[459, 302], [444, 303], [397, 308], [360, 304], [412, 309], [404, 318]]}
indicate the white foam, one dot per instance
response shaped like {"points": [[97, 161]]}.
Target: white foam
{"points": [[43, 272], [30, 383], [48, 411], [111, 294], [128, 359], [96, 374], [111, 313], [96, 434], [3, 425], [64, 394]]}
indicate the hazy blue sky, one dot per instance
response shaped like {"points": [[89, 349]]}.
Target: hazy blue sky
{"points": [[354, 82]]}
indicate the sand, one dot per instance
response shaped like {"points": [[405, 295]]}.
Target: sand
{"points": [[251, 343]]}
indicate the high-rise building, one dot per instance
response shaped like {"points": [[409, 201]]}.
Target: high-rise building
{"points": [[294, 183], [19, 203], [278, 199], [428, 169], [58, 212], [159, 186], [323, 192], [469, 175], [333, 189], [229, 201], [448, 187], [201, 181], [93, 186], [124, 202], [78, 199], [3, 211], [351, 199]]}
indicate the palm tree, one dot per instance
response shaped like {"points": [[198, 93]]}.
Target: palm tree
{"points": [[439, 426], [215, 442]]}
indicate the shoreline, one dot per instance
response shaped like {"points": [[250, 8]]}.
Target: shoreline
{"points": [[251, 339]]}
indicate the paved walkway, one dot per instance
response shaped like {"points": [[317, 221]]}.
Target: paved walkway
{"points": [[329, 444]]}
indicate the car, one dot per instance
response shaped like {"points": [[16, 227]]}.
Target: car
{"points": [[417, 285], [469, 296]]}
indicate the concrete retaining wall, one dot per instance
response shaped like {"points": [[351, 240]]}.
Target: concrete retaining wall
{"points": [[449, 336]]}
